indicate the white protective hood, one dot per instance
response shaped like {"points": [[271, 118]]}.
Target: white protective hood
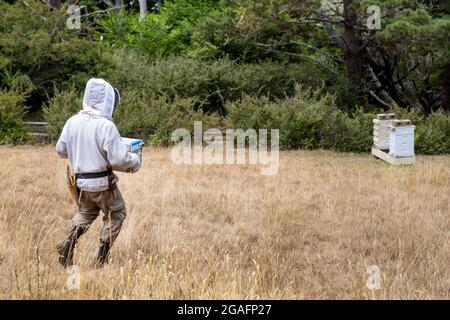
{"points": [[91, 141], [99, 98]]}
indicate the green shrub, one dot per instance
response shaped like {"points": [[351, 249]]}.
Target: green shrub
{"points": [[350, 133], [36, 42], [210, 83], [311, 120], [192, 28], [59, 109], [433, 134], [155, 119], [308, 120], [150, 119], [12, 110]]}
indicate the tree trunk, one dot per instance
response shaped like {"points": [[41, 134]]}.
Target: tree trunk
{"points": [[445, 92], [56, 4], [117, 5], [354, 59]]}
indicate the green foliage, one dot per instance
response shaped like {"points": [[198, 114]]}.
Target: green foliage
{"points": [[212, 83], [13, 93], [228, 63], [12, 110], [59, 108], [407, 56], [311, 120], [421, 43], [151, 119], [432, 134], [194, 28], [35, 42], [307, 120], [350, 132], [154, 119]]}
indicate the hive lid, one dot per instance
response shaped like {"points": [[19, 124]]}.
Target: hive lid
{"points": [[385, 116], [132, 141], [401, 123]]}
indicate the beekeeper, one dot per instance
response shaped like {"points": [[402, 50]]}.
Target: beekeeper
{"points": [[92, 143]]}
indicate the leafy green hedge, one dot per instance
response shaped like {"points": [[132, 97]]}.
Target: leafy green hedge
{"points": [[12, 128], [152, 120], [59, 109], [212, 83], [432, 134], [309, 119], [37, 45]]}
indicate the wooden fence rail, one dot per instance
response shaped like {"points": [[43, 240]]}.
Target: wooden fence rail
{"points": [[38, 129]]}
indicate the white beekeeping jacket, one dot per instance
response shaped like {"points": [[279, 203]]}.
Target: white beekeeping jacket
{"points": [[91, 141]]}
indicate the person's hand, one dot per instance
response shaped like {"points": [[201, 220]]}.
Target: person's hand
{"points": [[138, 165]]}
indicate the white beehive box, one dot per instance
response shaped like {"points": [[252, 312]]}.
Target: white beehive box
{"points": [[133, 145], [401, 139], [381, 130]]}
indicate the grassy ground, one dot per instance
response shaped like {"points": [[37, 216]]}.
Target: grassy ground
{"points": [[308, 232]]}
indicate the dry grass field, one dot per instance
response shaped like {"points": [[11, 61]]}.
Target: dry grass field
{"points": [[227, 232]]}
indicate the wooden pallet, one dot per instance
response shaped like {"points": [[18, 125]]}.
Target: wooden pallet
{"points": [[391, 159]]}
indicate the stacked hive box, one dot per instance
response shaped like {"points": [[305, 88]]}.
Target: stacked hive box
{"points": [[381, 130], [401, 138]]}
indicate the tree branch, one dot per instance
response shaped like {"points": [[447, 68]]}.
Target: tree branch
{"points": [[329, 56], [329, 27], [321, 63], [379, 86], [373, 94]]}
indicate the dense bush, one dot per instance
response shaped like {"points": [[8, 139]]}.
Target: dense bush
{"points": [[193, 28], [307, 120], [60, 107], [228, 63], [212, 83], [152, 120], [12, 110], [432, 134], [34, 42], [311, 120]]}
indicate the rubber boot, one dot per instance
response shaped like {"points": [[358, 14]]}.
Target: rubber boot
{"points": [[103, 254], [66, 247]]}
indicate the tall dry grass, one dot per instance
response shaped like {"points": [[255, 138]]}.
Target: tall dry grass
{"points": [[215, 232]]}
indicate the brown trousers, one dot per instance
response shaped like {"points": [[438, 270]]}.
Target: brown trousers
{"points": [[113, 207]]}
